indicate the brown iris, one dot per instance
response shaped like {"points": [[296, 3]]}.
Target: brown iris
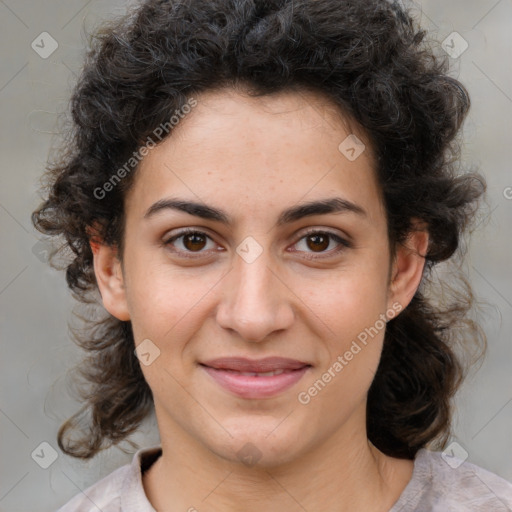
{"points": [[321, 241], [194, 241]]}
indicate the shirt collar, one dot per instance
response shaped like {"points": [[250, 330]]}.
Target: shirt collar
{"points": [[133, 497]]}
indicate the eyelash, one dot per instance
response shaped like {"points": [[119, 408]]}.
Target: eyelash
{"points": [[188, 254]]}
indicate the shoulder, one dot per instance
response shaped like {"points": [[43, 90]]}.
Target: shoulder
{"points": [[104, 495], [443, 482], [121, 490]]}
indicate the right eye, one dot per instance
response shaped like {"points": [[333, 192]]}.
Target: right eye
{"points": [[192, 241]]}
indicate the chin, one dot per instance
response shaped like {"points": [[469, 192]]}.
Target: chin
{"points": [[260, 443]]}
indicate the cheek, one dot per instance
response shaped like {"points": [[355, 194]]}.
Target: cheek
{"points": [[352, 310], [351, 300], [160, 294], [168, 306], [350, 305]]}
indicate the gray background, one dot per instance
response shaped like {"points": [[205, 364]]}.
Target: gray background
{"points": [[35, 305]]}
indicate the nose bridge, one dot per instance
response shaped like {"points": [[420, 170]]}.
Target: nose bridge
{"points": [[255, 301]]}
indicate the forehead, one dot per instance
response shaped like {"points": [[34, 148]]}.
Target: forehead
{"points": [[258, 153]]}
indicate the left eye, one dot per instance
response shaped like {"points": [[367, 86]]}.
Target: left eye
{"points": [[195, 241], [319, 241]]}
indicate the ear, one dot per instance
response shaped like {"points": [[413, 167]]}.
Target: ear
{"points": [[110, 279], [408, 265]]}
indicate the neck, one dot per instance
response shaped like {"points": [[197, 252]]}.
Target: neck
{"points": [[343, 474]]}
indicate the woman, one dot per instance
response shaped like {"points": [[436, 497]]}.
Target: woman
{"points": [[259, 191]]}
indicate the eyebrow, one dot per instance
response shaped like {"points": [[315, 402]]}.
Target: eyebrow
{"points": [[292, 214]]}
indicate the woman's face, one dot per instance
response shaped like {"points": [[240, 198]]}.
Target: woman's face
{"points": [[252, 284]]}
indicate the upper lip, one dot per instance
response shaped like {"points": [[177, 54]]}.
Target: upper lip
{"points": [[267, 364]]}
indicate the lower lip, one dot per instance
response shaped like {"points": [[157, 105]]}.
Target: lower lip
{"points": [[246, 386]]}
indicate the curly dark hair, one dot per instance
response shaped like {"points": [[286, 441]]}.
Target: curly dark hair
{"points": [[371, 59]]}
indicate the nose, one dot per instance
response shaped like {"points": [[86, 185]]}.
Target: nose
{"points": [[255, 301]]}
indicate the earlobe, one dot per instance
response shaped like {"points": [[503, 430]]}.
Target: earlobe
{"points": [[109, 277], [408, 266]]}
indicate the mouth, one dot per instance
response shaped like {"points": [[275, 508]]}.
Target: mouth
{"points": [[252, 379]]}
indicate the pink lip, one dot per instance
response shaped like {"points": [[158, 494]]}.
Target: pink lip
{"points": [[227, 373]]}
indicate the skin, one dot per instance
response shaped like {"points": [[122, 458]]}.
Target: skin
{"points": [[253, 158]]}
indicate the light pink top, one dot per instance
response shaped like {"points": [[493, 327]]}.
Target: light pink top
{"points": [[435, 486]]}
